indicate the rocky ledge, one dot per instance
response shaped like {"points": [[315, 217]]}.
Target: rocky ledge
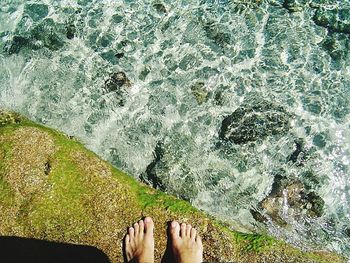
{"points": [[53, 188]]}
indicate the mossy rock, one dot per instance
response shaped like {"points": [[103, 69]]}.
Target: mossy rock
{"points": [[7, 117], [53, 188]]}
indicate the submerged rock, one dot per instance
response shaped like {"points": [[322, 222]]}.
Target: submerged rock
{"points": [[150, 175], [336, 20], [288, 200], [295, 5], [36, 29], [116, 81], [337, 45], [70, 29], [46, 34], [118, 84], [200, 92], [254, 120], [215, 33], [160, 8], [119, 55], [36, 11], [347, 231], [300, 154], [241, 6], [158, 174], [53, 188]]}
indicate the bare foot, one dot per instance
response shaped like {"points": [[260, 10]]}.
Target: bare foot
{"points": [[186, 244], [139, 242]]}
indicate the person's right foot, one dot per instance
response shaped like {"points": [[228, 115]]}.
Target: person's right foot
{"points": [[185, 243]]}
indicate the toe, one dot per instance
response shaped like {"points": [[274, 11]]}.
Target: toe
{"points": [[141, 227], [199, 240], [128, 249], [137, 228], [188, 230], [149, 226], [131, 233], [175, 230], [183, 230], [193, 233], [127, 239]]}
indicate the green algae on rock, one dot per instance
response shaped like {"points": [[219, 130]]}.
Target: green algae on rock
{"points": [[82, 199]]}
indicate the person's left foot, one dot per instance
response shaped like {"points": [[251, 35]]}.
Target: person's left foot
{"points": [[139, 242]]}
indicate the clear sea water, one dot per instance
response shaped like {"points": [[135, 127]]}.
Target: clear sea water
{"points": [[189, 65]]}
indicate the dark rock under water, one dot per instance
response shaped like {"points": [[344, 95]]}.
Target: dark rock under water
{"points": [[255, 120], [117, 83], [44, 34], [335, 20], [294, 5], [158, 174]]}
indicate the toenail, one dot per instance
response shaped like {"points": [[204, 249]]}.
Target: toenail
{"points": [[173, 224], [147, 220]]}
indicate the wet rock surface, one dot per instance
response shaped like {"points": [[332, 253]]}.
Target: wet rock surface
{"points": [[288, 199], [254, 120]]}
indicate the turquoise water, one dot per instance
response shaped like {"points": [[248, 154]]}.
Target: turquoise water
{"points": [[149, 85]]}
